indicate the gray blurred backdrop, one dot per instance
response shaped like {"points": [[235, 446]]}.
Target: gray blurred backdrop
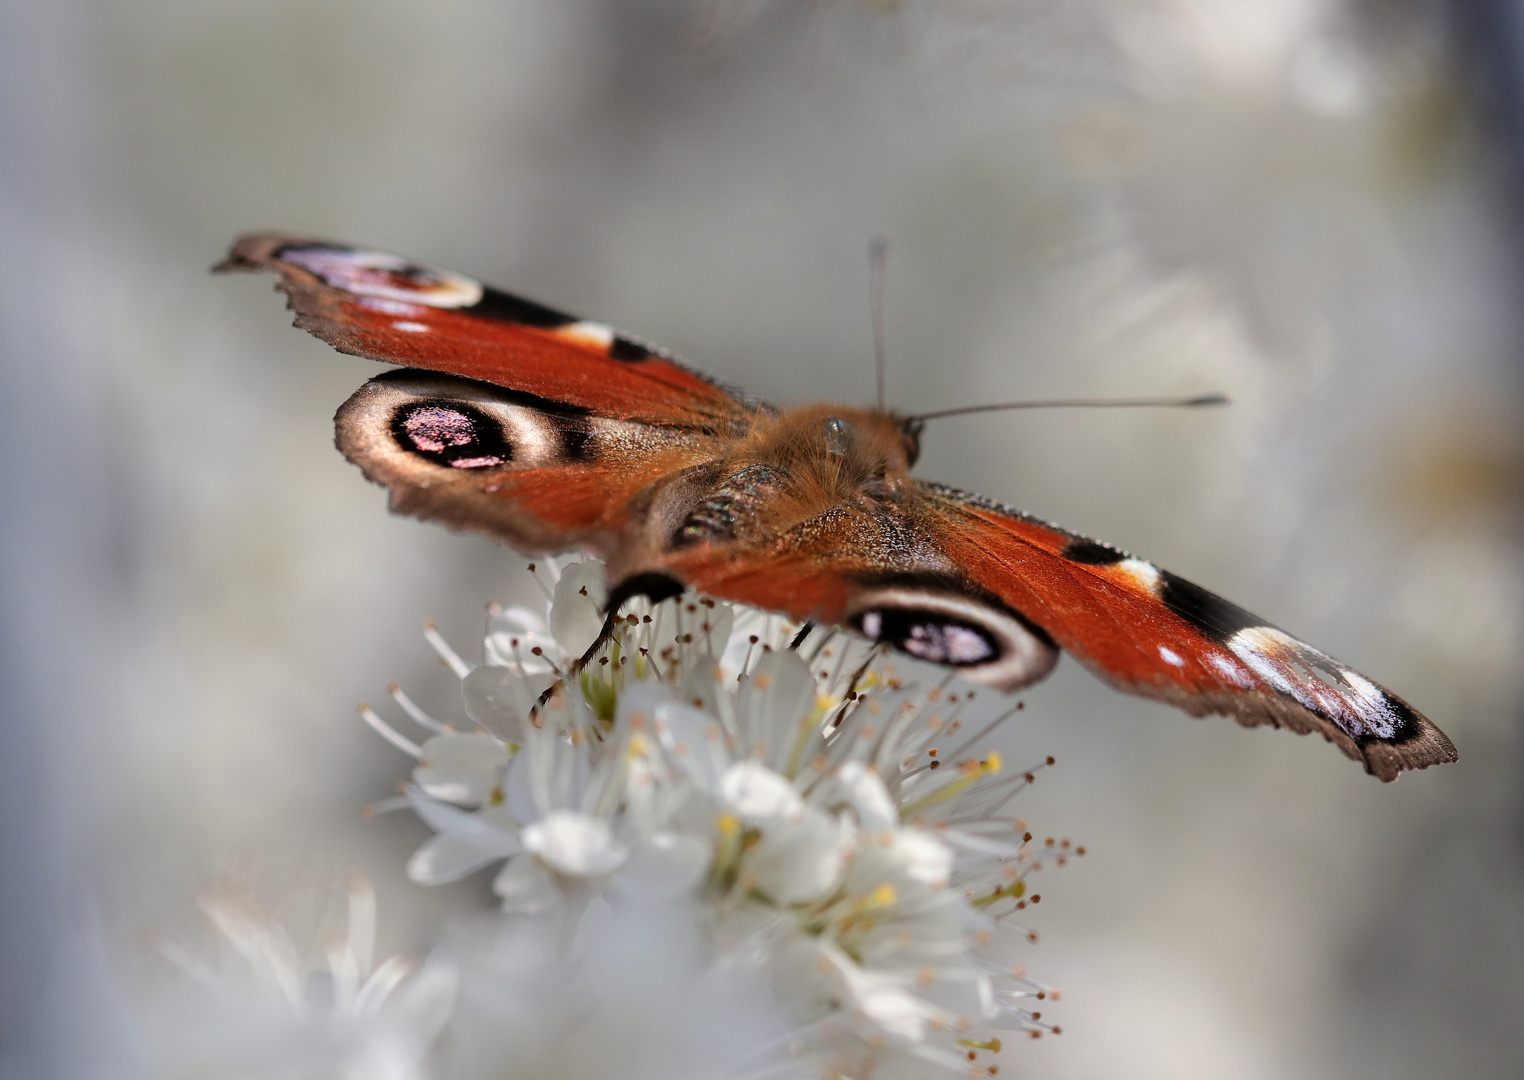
{"points": [[1310, 204]]}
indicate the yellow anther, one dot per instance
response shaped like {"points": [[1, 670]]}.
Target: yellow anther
{"points": [[884, 895], [992, 762], [992, 1045], [728, 824]]}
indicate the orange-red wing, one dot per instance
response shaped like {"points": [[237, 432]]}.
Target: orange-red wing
{"points": [[388, 308], [1148, 632]]}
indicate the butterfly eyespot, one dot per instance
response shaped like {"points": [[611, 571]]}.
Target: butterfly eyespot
{"points": [[930, 636], [451, 433], [938, 621]]}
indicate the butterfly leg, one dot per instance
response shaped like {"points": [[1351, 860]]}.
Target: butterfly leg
{"points": [[655, 587]]}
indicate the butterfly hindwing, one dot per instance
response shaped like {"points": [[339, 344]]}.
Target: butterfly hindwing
{"points": [[388, 308], [956, 579], [540, 475]]}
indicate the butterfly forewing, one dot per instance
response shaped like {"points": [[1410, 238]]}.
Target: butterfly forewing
{"points": [[388, 308]]}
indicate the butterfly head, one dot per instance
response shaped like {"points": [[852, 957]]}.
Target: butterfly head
{"points": [[861, 446]]}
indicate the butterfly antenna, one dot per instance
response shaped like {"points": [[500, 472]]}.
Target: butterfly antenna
{"points": [[1193, 402], [878, 263]]}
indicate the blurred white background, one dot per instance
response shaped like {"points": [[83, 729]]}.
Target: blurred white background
{"points": [[1305, 203]]}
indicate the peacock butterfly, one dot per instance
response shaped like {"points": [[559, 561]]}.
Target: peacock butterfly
{"points": [[552, 432]]}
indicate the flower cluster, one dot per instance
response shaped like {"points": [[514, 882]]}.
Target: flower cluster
{"points": [[827, 821]]}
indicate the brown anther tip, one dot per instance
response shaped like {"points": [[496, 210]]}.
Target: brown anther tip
{"points": [[1037, 1016], [1057, 1030], [1020, 705], [1080, 850], [531, 568], [366, 813], [428, 624], [1037, 898], [1027, 837], [360, 708], [934, 764], [1048, 842], [1050, 759], [1041, 995]]}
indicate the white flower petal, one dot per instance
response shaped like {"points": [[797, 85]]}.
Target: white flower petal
{"points": [[891, 1009], [513, 635], [574, 844], [497, 698], [772, 703], [757, 795], [448, 858], [800, 860], [461, 767], [869, 798], [489, 830], [576, 611], [922, 857], [526, 886], [518, 789], [664, 868], [696, 739], [422, 1005], [719, 620]]}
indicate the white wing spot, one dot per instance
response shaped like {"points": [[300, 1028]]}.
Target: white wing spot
{"points": [[1145, 575], [587, 332], [1170, 656], [409, 327], [1230, 671], [391, 307]]}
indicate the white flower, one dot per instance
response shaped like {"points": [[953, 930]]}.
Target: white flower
{"points": [[276, 1011], [825, 821]]}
